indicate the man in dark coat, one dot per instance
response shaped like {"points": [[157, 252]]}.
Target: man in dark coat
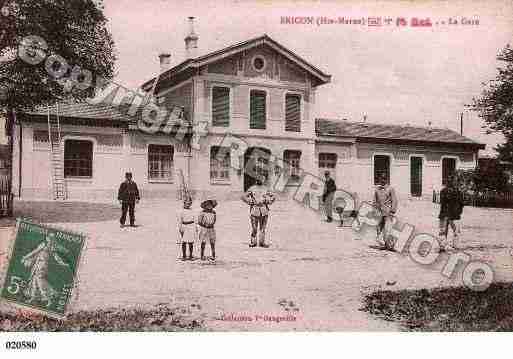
{"points": [[327, 196], [128, 196], [451, 208]]}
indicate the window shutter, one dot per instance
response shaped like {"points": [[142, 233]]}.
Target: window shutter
{"points": [[257, 110], [221, 106], [293, 113]]}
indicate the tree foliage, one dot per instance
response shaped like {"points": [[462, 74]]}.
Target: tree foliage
{"points": [[488, 176], [505, 150], [73, 29], [495, 106]]}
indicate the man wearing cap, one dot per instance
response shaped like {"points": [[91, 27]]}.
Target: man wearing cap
{"points": [[259, 198], [327, 196], [385, 201], [128, 196]]}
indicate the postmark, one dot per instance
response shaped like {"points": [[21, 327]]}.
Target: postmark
{"points": [[42, 268]]}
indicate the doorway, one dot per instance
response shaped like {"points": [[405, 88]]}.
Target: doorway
{"points": [[448, 169], [256, 166], [381, 168], [416, 176]]}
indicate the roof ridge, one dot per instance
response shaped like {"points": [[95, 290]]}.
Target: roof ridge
{"points": [[386, 131], [382, 124]]}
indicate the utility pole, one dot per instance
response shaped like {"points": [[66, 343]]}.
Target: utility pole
{"points": [[461, 124]]}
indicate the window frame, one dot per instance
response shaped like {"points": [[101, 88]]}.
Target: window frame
{"points": [[267, 107], [327, 153], [390, 165], [293, 179], [456, 165], [422, 170], [297, 94], [82, 139], [169, 179], [254, 58], [219, 168], [230, 104]]}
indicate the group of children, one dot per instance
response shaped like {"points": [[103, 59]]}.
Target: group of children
{"points": [[197, 227]]}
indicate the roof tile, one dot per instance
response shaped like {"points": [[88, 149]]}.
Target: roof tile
{"points": [[82, 110], [344, 128]]}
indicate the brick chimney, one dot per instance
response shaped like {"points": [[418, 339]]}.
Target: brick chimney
{"points": [[165, 61], [191, 41]]}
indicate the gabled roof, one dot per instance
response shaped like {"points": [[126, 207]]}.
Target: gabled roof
{"points": [[368, 132], [236, 48]]}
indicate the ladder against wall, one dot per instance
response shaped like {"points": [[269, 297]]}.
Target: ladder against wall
{"points": [[56, 158]]}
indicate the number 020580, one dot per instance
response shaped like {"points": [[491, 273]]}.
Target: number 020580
{"points": [[21, 345]]}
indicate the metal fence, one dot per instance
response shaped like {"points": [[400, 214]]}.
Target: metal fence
{"points": [[6, 197], [486, 199]]}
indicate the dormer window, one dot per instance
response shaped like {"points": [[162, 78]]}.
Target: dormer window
{"points": [[259, 63]]}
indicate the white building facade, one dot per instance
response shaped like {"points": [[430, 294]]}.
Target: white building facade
{"points": [[257, 91]]}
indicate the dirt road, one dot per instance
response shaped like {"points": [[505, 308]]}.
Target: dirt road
{"points": [[311, 278]]}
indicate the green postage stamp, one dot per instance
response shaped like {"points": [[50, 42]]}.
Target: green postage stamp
{"points": [[42, 268]]}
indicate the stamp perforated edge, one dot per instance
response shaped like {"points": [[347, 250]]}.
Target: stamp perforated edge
{"points": [[76, 276]]}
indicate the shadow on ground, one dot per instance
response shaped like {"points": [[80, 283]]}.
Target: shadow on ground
{"points": [[66, 212], [446, 309]]}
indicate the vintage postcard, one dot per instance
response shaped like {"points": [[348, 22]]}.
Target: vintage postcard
{"points": [[262, 166], [42, 268]]}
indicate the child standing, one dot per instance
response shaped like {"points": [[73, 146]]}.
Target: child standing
{"points": [[207, 232], [187, 230]]}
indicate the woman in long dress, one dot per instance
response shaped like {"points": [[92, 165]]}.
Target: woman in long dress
{"points": [[38, 287]]}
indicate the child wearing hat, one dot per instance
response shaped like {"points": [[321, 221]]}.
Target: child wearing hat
{"points": [[207, 232], [187, 231]]}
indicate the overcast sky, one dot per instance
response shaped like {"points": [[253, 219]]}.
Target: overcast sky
{"points": [[392, 74]]}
